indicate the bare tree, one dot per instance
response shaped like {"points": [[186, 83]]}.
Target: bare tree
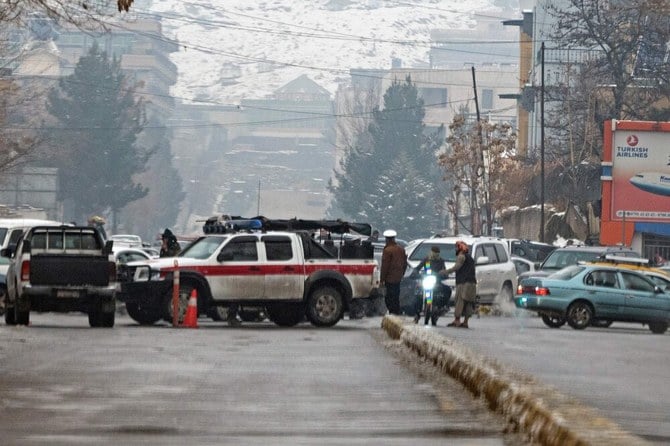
{"points": [[20, 113], [481, 159], [629, 39]]}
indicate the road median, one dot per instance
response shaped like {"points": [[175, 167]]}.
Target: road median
{"points": [[544, 414]]}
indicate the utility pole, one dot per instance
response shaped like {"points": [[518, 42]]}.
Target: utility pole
{"points": [[474, 210], [542, 149]]}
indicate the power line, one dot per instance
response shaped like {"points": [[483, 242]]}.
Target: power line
{"points": [[318, 116]]}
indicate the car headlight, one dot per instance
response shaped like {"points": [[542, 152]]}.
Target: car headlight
{"points": [[145, 273]]}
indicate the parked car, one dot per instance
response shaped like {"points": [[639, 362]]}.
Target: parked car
{"points": [[594, 294], [4, 265], [530, 250], [152, 252], [571, 255], [496, 273], [3, 293], [126, 240], [523, 265], [13, 228], [125, 255]]}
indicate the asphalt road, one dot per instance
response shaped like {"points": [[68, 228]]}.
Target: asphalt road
{"points": [[623, 371], [62, 382]]}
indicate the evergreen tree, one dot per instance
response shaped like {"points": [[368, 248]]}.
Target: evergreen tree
{"points": [[159, 209], [101, 118], [390, 178]]}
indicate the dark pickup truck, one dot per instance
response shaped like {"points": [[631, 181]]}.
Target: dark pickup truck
{"points": [[61, 269]]}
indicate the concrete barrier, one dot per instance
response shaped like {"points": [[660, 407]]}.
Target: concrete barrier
{"points": [[545, 415]]}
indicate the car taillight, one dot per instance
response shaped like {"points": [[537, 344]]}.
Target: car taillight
{"points": [[541, 291], [536, 290], [25, 271]]}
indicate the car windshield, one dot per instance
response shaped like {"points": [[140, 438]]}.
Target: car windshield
{"points": [[202, 248], [560, 259], [567, 273], [447, 251]]}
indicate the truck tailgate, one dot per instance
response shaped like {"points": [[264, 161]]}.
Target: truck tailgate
{"points": [[58, 270]]}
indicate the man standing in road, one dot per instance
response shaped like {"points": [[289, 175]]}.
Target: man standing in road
{"points": [[466, 285], [394, 263]]}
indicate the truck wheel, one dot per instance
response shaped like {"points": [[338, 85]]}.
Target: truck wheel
{"points": [[141, 315], [9, 316], [3, 299], [658, 327], [21, 317], [184, 294], [325, 307], [107, 319], [94, 317], [286, 315]]}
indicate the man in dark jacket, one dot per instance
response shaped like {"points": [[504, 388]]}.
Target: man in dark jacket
{"points": [[169, 244], [466, 285], [394, 264]]}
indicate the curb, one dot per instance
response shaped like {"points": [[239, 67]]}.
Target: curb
{"points": [[545, 415]]}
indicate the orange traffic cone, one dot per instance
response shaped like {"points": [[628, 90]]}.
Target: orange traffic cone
{"points": [[191, 316]]}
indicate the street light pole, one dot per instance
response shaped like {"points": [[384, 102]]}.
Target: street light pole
{"points": [[542, 150]]}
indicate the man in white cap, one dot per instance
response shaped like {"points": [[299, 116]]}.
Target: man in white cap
{"points": [[394, 263]]}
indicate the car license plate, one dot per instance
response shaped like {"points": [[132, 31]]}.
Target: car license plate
{"points": [[67, 293]]}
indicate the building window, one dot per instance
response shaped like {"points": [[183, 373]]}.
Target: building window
{"points": [[487, 99]]}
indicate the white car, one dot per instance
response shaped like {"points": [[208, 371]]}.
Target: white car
{"points": [[496, 273], [126, 255], [127, 240], [523, 265]]}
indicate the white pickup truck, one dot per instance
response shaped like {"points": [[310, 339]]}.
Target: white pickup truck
{"points": [[61, 268], [288, 273]]}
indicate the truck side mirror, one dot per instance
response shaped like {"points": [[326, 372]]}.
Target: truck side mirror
{"points": [[107, 250]]}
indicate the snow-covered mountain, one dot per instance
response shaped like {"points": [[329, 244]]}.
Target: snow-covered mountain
{"points": [[232, 49]]}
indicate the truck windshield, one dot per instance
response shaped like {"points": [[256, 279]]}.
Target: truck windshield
{"points": [[203, 248]]}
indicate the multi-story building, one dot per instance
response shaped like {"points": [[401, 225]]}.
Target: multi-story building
{"points": [[281, 155]]}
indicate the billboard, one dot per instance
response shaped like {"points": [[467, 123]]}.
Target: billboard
{"points": [[640, 175]]}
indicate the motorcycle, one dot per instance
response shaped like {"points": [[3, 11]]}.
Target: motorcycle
{"points": [[434, 297]]}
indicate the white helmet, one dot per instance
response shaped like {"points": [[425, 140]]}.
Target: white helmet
{"points": [[390, 233]]}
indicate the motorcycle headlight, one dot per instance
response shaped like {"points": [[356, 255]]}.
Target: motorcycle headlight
{"points": [[428, 282]]}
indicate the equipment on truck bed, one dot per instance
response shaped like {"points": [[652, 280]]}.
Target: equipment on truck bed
{"points": [[226, 223]]}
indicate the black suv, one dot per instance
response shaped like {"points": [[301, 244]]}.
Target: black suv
{"points": [[570, 255]]}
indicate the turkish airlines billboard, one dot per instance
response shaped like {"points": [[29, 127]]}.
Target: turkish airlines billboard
{"points": [[641, 175]]}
